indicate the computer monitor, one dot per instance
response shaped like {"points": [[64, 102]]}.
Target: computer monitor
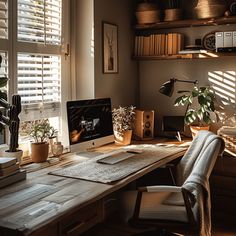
{"points": [[173, 125], [89, 123]]}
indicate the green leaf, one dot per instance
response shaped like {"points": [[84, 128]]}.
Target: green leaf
{"points": [[179, 100], [190, 117], [201, 100], [3, 95], [206, 117], [195, 92], [3, 81]]}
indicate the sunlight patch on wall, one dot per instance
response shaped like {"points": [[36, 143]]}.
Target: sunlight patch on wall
{"points": [[223, 83], [92, 43]]}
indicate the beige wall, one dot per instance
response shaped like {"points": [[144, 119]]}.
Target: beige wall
{"points": [[121, 87], [154, 73], [82, 60], [88, 80]]}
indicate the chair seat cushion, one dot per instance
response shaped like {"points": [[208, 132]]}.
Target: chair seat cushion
{"points": [[174, 199], [152, 207]]}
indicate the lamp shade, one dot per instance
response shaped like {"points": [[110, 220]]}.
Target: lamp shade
{"points": [[167, 88]]}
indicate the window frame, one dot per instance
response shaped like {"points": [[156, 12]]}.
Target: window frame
{"points": [[12, 47]]}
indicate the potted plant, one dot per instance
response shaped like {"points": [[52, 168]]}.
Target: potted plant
{"points": [[123, 118], [9, 116], [200, 111], [41, 131]]}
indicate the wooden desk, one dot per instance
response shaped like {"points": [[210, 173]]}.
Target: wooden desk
{"points": [[52, 205]]}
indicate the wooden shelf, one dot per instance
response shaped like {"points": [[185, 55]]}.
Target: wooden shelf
{"points": [[207, 55], [188, 23]]}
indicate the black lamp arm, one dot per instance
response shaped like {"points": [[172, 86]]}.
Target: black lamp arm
{"points": [[186, 81]]}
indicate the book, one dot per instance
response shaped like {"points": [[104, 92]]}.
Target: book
{"points": [[170, 44], [7, 180], [7, 161], [163, 41], [174, 43], [9, 170]]}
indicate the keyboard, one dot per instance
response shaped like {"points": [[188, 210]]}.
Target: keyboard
{"points": [[115, 158]]}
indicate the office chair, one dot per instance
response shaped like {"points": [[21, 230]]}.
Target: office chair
{"points": [[186, 207]]}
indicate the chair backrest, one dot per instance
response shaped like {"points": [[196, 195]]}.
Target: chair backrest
{"points": [[187, 163], [196, 186]]}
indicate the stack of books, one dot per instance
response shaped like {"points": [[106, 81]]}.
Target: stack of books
{"points": [[158, 44], [10, 171]]}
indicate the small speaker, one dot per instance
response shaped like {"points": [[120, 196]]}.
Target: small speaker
{"points": [[144, 125]]}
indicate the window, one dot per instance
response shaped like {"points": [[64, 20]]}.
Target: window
{"points": [[32, 37], [3, 19]]}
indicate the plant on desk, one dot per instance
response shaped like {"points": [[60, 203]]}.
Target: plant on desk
{"points": [[10, 117], [200, 112], [41, 131], [123, 118]]}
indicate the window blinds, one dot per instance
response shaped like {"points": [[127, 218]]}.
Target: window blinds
{"points": [[39, 75], [39, 79], [40, 21], [3, 19]]}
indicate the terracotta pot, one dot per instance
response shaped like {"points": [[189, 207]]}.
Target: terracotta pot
{"points": [[39, 152], [195, 128], [124, 139]]}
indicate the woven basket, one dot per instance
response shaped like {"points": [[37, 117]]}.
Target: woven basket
{"points": [[209, 11], [210, 8], [173, 14], [147, 13]]}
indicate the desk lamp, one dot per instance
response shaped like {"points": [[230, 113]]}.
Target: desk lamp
{"points": [[168, 88]]}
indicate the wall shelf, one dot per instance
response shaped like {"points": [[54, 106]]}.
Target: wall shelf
{"points": [[188, 23], [207, 55]]}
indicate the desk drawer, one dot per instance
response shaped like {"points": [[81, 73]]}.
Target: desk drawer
{"points": [[80, 221]]}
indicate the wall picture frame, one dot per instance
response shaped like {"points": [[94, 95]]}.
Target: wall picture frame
{"points": [[110, 48]]}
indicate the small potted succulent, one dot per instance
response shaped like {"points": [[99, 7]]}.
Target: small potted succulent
{"points": [[123, 118], [9, 116], [200, 111], [41, 131]]}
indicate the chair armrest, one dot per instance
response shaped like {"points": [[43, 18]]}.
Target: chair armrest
{"points": [[160, 188]]}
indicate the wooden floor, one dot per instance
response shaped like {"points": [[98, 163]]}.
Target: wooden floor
{"points": [[121, 229]]}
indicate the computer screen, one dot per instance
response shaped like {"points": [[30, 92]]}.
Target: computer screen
{"points": [[173, 123], [89, 123]]}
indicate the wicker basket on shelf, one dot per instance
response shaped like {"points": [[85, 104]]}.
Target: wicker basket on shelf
{"points": [[173, 14], [210, 9], [147, 13]]}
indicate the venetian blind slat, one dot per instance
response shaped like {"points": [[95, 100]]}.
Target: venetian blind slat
{"points": [[39, 78], [3, 19], [40, 21]]}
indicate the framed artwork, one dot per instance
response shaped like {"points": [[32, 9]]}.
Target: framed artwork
{"points": [[110, 48]]}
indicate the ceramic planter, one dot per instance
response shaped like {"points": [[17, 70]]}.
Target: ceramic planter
{"points": [[124, 139], [39, 152]]}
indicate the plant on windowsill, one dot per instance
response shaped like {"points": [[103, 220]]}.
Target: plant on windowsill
{"points": [[200, 112], [123, 118], [10, 118], [41, 131]]}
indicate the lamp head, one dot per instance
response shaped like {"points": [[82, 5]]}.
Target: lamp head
{"points": [[168, 88]]}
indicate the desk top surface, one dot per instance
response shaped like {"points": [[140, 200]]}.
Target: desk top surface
{"points": [[42, 198]]}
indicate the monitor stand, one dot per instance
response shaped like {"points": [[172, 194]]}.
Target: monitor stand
{"points": [[178, 136]]}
